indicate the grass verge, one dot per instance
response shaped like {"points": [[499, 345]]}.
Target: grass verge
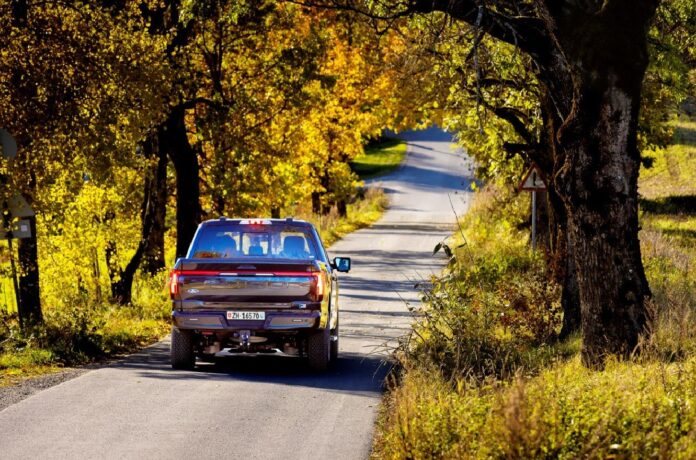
{"points": [[482, 377], [380, 158]]}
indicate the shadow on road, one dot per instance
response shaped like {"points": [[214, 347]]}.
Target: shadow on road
{"points": [[352, 373]]}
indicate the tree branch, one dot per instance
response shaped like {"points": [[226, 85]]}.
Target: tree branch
{"points": [[512, 116], [525, 32]]}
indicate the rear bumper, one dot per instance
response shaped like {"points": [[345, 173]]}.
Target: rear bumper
{"points": [[216, 320]]}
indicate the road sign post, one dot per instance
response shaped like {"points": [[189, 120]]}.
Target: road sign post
{"points": [[534, 182]]}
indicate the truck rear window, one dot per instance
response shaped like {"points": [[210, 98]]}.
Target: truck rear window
{"points": [[258, 240]]}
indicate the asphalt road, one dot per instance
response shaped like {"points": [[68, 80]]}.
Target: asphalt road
{"points": [[270, 407]]}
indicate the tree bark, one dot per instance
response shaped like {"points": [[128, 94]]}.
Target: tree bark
{"points": [[154, 207], [122, 279], [149, 255], [29, 294], [29, 307], [316, 202], [562, 263], [598, 180], [342, 207], [185, 160]]}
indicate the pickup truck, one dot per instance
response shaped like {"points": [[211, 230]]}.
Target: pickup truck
{"points": [[255, 286]]}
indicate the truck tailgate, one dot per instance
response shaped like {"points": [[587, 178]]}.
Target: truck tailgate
{"points": [[249, 284]]}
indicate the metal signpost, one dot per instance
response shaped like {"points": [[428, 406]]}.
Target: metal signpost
{"points": [[534, 182]]}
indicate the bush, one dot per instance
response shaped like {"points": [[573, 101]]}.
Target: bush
{"points": [[72, 332], [79, 329], [494, 313]]}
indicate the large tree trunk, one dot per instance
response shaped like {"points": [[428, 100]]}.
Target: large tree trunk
{"points": [[185, 160], [590, 57], [599, 177]]}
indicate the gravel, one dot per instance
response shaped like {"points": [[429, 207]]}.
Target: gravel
{"points": [[15, 393]]}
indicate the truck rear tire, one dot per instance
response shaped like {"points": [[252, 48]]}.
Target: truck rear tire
{"points": [[319, 350], [182, 353]]}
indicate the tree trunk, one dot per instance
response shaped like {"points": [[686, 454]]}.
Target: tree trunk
{"points": [[150, 251], [29, 307], [549, 157], [316, 202], [154, 207], [590, 58], [342, 207], [570, 300], [599, 177], [325, 207], [29, 294], [562, 262], [122, 279], [185, 160]]}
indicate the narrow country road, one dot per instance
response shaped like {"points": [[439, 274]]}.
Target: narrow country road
{"points": [[266, 408]]}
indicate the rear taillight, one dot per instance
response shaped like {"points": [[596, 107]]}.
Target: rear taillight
{"points": [[174, 284], [318, 286]]}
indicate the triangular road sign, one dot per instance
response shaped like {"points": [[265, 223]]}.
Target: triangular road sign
{"points": [[533, 180]]}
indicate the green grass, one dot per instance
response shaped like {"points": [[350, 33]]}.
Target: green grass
{"points": [[482, 379], [379, 159], [673, 169]]}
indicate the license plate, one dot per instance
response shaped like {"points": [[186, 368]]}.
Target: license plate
{"points": [[246, 315]]}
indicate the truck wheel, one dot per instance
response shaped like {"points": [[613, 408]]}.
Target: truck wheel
{"points": [[319, 350], [334, 344], [182, 355]]}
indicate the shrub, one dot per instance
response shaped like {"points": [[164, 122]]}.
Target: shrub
{"points": [[494, 310]]}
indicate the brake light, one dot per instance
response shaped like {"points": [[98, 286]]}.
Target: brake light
{"points": [[319, 286], [255, 222], [174, 284]]}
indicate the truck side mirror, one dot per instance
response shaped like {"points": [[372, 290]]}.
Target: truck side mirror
{"points": [[342, 264]]}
